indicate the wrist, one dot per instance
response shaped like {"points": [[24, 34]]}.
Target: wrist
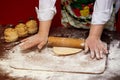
{"points": [[94, 37], [43, 34], [96, 31], [44, 28]]}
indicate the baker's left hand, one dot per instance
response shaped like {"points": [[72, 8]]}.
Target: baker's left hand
{"points": [[96, 47]]}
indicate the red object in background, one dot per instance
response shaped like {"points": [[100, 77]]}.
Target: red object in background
{"points": [[13, 11], [57, 18], [76, 11], [118, 22]]}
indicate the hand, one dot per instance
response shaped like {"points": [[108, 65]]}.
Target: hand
{"points": [[96, 47], [35, 40]]}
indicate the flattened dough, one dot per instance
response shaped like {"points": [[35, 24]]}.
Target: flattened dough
{"points": [[63, 51]]}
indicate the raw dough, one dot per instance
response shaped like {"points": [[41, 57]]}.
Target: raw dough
{"points": [[32, 26], [10, 35], [21, 30], [62, 51]]}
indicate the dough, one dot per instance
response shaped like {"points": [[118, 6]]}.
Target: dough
{"points": [[62, 51], [21, 30], [10, 35], [32, 26]]}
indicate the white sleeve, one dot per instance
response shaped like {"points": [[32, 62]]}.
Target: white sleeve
{"points": [[102, 11], [46, 10], [117, 6]]}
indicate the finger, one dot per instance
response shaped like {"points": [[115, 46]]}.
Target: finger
{"points": [[101, 54], [106, 51], [24, 40], [104, 46], [92, 54], [24, 45], [97, 54], [101, 51], [86, 48], [41, 45], [27, 45]]}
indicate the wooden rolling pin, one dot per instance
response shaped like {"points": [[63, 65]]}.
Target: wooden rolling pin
{"points": [[66, 42]]}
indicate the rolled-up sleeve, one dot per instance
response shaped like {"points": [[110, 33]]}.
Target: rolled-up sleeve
{"points": [[102, 11], [46, 10]]}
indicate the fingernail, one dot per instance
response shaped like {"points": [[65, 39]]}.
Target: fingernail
{"points": [[22, 47], [98, 57], [106, 52], [39, 47]]}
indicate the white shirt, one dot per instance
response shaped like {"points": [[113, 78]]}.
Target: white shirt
{"points": [[102, 10], [46, 10]]}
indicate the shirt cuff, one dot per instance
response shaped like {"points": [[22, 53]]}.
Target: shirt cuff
{"points": [[101, 17], [45, 14]]}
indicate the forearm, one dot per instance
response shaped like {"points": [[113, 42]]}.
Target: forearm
{"points": [[45, 14], [100, 16], [44, 27], [96, 31]]}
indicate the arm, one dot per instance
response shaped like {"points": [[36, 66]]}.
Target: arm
{"points": [[101, 14], [44, 27], [45, 14]]}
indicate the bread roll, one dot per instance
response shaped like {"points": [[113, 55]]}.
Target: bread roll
{"points": [[10, 35], [21, 30], [32, 26]]}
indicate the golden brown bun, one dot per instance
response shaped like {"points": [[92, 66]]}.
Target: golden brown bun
{"points": [[10, 35], [21, 30], [32, 26]]}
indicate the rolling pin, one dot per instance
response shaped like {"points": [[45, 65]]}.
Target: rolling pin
{"points": [[66, 42]]}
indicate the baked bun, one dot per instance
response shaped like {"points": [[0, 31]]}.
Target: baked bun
{"points": [[10, 35], [32, 26], [21, 30]]}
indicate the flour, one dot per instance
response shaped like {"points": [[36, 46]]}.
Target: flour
{"points": [[47, 61], [111, 71]]}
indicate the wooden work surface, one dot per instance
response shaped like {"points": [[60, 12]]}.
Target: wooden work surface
{"points": [[111, 72], [47, 61]]}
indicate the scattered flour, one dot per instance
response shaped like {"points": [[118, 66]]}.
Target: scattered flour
{"points": [[111, 71]]}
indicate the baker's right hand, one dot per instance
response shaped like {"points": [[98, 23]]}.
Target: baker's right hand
{"points": [[35, 40]]}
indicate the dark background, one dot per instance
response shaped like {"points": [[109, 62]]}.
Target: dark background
{"points": [[14, 11]]}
